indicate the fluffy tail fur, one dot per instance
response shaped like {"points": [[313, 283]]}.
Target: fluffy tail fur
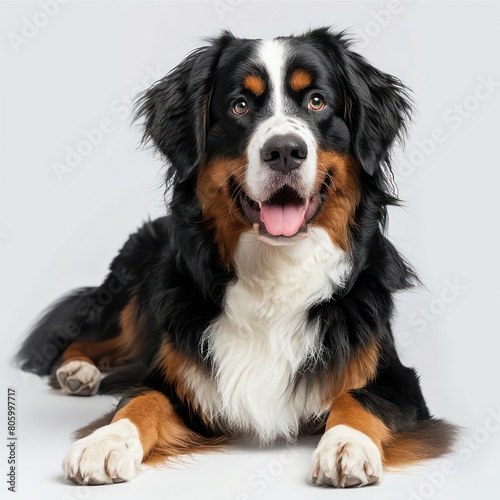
{"points": [[80, 315], [428, 439], [62, 324]]}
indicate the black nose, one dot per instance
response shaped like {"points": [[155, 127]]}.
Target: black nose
{"points": [[284, 152]]}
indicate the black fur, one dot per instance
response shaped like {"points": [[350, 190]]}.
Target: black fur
{"points": [[395, 395]]}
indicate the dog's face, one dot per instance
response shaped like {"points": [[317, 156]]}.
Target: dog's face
{"points": [[276, 134], [276, 109]]}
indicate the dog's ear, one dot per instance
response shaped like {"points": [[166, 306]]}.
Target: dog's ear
{"points": [[377, 105], [377, 112], [175, 108]]}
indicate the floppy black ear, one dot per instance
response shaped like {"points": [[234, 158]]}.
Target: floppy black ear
{"points": [[175, 109], [377, 105], [377, 112]]}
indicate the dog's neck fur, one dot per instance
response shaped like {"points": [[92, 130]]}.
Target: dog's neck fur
{"points": [[263, 335], [303, 273]]}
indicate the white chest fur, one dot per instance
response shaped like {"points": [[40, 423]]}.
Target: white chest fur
{"points": [[263, 336]]}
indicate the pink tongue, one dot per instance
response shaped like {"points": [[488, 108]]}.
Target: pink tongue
{"points": [[284, 215]]}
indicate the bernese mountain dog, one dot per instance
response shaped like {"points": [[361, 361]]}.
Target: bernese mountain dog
{"points": [[261, 304]]}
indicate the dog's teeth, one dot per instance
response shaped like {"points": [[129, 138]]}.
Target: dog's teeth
{"points": [[256, 226]]}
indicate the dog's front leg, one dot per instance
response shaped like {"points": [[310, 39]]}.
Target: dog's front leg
{"points": [[350, 452], [114, 453]]}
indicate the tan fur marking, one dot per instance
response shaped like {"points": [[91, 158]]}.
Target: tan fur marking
{"points": [[161, 430], [217, 206], [255, 84], [358, 372], [300, 80], [337, 213], [347, 411], [173, 364], [361, 369], [115, 351]]}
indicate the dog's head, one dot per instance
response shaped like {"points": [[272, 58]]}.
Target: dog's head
{"points": [[276, 136]]}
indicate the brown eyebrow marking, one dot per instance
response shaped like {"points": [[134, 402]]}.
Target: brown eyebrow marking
{"points": [[300, 79], [255, 84]]}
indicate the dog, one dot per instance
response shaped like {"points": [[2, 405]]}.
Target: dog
{"points": [[261, 304]]}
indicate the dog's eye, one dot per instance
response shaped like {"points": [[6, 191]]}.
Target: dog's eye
{"points": [[316, 102], [240, 107]]}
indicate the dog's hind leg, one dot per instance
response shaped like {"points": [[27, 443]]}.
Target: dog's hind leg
{"points": [[80, 372]]}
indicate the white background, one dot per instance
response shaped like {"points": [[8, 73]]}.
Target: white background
{"points": [[57, 234]]}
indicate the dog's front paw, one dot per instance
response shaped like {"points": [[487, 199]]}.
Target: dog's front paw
{"points": [[111, 454], [79, 378], [346, 457]]}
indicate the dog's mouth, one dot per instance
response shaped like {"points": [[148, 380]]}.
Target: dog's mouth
{"points": [[283, 217]]}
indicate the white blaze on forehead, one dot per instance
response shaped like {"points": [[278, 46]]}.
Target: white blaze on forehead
{"points": [[273, 54]]}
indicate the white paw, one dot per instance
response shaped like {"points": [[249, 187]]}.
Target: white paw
{"points": [[79, 378], [111, 454], [346, 457]]}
